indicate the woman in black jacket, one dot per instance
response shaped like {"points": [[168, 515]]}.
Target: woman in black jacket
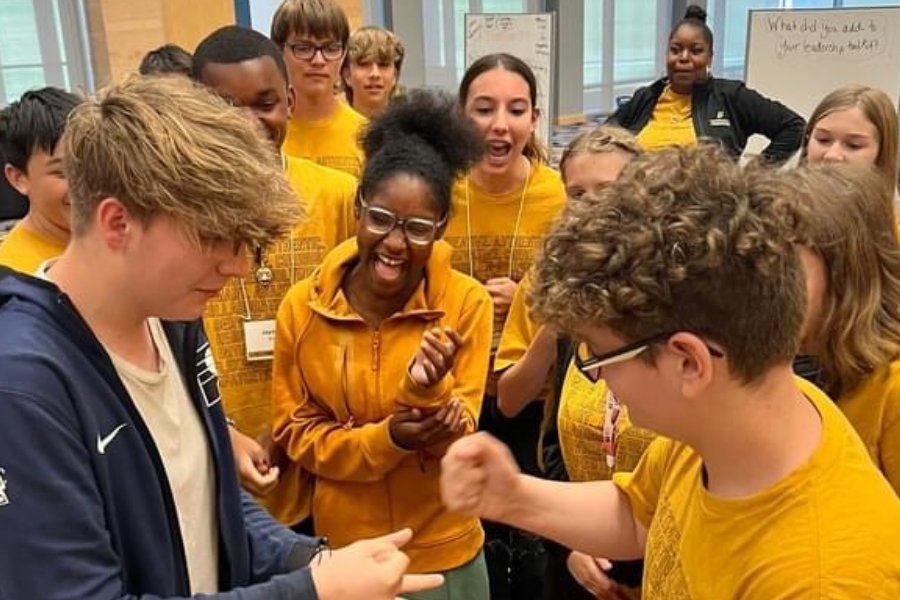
{"points": [[689, 103]]}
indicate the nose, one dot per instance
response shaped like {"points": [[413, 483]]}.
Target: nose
{"points": [[234, 264], [500, 122], [835, 153], [395, 238], [374, 71], [318, 57]]}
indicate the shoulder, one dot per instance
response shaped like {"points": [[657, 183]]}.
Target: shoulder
{"points": [[547, 183], [306, 175], [727, 86], [347, 113]]}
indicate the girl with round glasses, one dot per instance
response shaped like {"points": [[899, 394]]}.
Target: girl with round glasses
{"points": [[381, 356]]}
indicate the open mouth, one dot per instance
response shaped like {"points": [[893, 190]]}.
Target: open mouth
{"points": [[498, 150], [389, 268]]}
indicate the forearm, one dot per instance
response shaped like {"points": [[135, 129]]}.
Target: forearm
{"points": [[332, 450], [523, 381], [594, 518]]}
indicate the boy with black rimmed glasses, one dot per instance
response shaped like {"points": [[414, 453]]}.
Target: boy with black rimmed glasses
{"points": [[313, 36], [761, 491]]}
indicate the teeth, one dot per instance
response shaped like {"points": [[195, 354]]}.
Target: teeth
{"points": [[390, 261]]}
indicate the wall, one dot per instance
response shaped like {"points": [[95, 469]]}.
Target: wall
{"points": [[122, 31], [261, 12]]}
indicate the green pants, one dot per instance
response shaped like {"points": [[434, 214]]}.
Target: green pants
{"points": [[468, 582]]}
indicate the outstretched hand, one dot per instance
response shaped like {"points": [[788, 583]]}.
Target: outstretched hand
{"points": [[372, 569]]}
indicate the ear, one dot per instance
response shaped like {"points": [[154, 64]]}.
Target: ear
{"points": [[535, 117], [357, 206], [17, 178], [291, 99], [694, 363], [114, 223]]}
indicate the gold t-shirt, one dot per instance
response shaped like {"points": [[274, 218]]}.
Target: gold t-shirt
{"points": [[830, 530], [671, 123]]}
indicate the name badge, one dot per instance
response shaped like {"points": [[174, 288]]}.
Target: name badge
{"points": [[259, 339]]}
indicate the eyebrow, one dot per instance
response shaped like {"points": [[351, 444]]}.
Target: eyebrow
{"points": [[852, 135], [54, 161], [485, 98]]}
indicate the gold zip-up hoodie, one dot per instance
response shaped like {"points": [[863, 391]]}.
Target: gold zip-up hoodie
{"points": [[337, 381]]}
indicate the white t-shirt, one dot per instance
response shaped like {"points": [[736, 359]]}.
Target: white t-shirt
{"points": [[162, 399]]}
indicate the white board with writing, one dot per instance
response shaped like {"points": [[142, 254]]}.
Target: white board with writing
{"points": [[526, 36], [799, 56]]}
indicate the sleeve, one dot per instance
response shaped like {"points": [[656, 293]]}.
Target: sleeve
{"points": [[55, 545], [889, 450], [758, 114], [626, 114], [467, 380], [310, 434], [644, 484], [518, 332], [274, 548]]}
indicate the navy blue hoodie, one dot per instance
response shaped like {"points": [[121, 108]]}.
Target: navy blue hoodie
{"points": [[84, 515]]}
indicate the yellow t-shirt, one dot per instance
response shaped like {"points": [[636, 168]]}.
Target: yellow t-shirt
{"points": [[873, 408], [25, 250], [671, 123], [518, 333], [580, 421], [482, 229], [332, 142], [830, 530], [244, 384]]}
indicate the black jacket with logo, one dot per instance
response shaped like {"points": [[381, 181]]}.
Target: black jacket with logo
{"points": [[725, 110]]}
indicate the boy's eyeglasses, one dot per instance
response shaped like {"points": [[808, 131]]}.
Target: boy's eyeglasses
{"points": [[307, 50], [381, 221], [591, 364]]}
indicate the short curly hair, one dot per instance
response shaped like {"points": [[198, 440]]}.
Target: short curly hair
{"points": [[684, 240]]}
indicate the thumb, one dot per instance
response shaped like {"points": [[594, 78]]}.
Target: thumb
{"points": [[603, 563]]}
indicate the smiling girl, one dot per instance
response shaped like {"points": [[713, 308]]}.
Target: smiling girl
{"points": [[381, 356]]}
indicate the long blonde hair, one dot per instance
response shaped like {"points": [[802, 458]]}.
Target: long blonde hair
{"points": [[853, 230], [879, 110]]}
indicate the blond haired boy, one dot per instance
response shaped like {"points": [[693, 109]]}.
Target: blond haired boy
{"points": [[115, 458]]}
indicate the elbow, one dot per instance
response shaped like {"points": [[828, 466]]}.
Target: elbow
{"points": [[507, 402]]}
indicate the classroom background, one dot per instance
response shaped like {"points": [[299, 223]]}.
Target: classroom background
{"points": [[606, 48]]}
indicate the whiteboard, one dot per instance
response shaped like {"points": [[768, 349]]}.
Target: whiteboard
{"points": [[798, 56], [526, 36]]}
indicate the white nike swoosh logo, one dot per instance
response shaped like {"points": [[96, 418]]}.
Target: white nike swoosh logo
{"points": [[103, 442]]}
